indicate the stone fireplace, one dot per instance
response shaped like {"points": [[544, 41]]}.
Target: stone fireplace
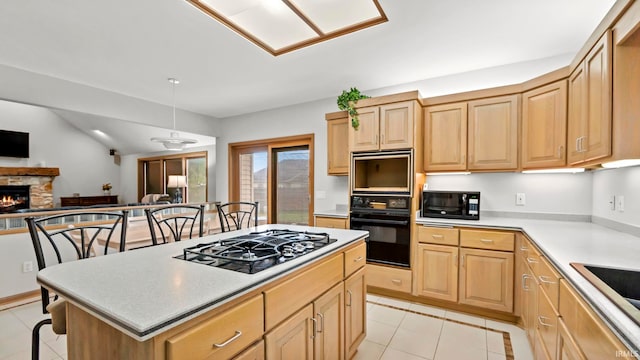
{"points": [[38, 181]]}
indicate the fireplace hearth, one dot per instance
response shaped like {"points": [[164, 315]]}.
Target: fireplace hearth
{"points": [[13, 198]]}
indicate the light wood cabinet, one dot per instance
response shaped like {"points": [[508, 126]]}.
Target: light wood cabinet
{"points": [[529, 306], [254, 352], [544, 126], [437, 272], [493, 133], [329, 325], [384, 127], [567, 347], [293, 339], [445, 137], [590, 102], [390, 278], [222, 336], [486, 239], [486, 279], [330, 222], [338, 143], [438, 235], [355, 306], [547, 324], [354, 259]]}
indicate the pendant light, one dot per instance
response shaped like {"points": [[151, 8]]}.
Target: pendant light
{"points": [[174, 141]]}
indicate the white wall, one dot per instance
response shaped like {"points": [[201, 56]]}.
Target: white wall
{"points": [[129, 172], [625, 182], [84, 163], [299, 119], [544, 193]]}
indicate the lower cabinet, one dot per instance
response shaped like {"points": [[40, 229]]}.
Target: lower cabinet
{"points": [[254, 352], [529, 299], [567, 348], [355, 304], [390, 278], [292, 339], [437, 273], [329, 324], [486, 279], [331, 222]]}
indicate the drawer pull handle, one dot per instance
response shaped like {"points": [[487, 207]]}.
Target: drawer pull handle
{"points": [[541, 320], [437, 236], [396, 281], [358, 259], [486, 241], [233, 338], [320, 328], [315, 328], [532, 260], [546, 279], [350, 295], [524, 282], [524, 248]]}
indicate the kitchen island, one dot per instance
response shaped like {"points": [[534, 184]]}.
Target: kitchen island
{"points": [[148, 304]]}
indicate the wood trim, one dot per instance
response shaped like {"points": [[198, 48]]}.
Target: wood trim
{"points": [[184, 157], [473, 95], [388, 99], [29, 171], [176, 156], [546, 79], [336, 115], [19, 298]]}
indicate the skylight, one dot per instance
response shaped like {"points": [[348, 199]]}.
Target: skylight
{"points": [[281, 26]]}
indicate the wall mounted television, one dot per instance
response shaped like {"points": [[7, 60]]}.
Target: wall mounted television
{"points": [[14, 144]]}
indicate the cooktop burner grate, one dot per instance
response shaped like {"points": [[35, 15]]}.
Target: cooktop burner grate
{"points": [[256, 251]]}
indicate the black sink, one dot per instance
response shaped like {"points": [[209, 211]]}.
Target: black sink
{"points": [[622, 286]]}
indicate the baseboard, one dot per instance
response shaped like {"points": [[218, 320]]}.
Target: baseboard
{"points": [[19, 299]]}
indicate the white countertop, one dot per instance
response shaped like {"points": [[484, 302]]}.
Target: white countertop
{"points": [[564, 242], [146, 292], [341, 214]]}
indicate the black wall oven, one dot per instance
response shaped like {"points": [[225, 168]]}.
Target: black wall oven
{"points": [[388, 221]]}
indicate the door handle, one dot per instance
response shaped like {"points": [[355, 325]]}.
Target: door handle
{"points": [[315, 328], [382, 139], [350, 294], [320, 328], [546, 280], [358, 259], [230, 340], [578, 143], [486, 241], [541, 320], [524, 282]]}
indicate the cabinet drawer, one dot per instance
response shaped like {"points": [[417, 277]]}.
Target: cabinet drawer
{"points": [[547, 323], [436, 235], [532, 258], [389, 278], [354, 259], [286, 298], [328, 222], [549, 281], [255, 352], [490, 240], [222, 336]]}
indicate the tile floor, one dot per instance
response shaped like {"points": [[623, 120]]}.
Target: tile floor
{"points": [[396, 330]]}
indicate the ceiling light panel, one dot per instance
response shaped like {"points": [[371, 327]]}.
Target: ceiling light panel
{"points": [[280, 26], [335, 15]]}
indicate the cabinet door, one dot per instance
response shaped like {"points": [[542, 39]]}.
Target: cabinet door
{"points": [[437, 269], [577, 115], [355, 319], [529, 303], [445, 137], [547, 323], [338, 146], [486, 279], [366, 137], [293, 338], [329, 317], [254, 352], [597, 142], [396, 125], [493, 133], [567, 348], [544, 126]]}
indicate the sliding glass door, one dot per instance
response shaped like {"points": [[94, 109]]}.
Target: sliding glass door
{"points": [[291, 185]]}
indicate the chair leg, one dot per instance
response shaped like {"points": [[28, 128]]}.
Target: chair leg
{"points": [[35, 339]]}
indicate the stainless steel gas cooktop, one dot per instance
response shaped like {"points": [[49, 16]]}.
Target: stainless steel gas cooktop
{"points": [[256, 251]]}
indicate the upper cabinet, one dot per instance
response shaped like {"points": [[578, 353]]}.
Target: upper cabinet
{"points": [[544, 126], [384, 127], [338, 143], [493, 133], [590, 98], [445, 137]]}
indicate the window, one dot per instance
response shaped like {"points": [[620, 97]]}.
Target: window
{"points": [[153, 174], [278, 174]]}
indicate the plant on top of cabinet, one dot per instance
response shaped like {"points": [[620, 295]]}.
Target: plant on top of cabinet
{"points": [[347, 101]]}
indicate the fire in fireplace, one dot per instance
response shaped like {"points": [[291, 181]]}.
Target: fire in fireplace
{"points": [[13, 197]]}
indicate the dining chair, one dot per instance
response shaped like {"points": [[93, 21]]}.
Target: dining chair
{"points": [[236, 215], [175, 222], [65, 237]]}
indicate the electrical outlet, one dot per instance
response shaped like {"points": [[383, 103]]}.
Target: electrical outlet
{"points": [[612, 202], [27, 266], [520, 199], [620, 203]]}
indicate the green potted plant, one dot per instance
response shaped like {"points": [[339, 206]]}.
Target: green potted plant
{"points": [[348, 100]]}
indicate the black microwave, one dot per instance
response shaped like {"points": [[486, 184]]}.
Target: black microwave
{"points": [[451, 205]]}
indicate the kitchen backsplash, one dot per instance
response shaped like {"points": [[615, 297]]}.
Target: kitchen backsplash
{"points": [[617, 183]]}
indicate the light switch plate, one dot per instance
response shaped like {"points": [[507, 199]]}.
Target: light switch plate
{"points": [[620, 203], [612, 202]]}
